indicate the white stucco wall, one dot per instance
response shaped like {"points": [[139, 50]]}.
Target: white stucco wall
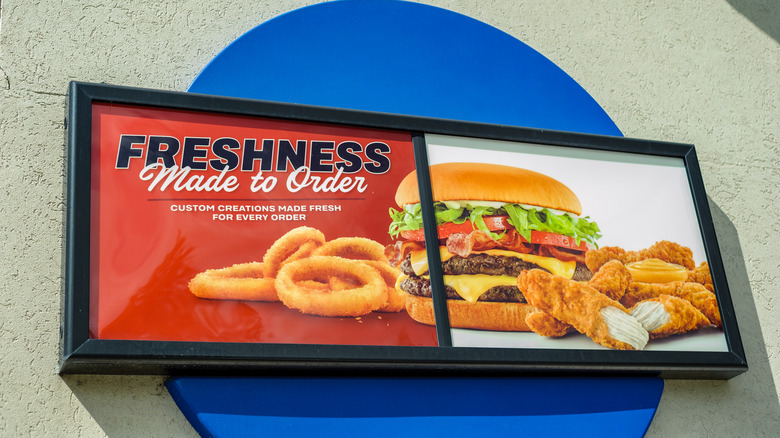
{"points": [[705, 72]]}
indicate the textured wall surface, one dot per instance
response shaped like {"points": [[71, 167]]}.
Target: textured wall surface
{"points": [[705, 72]]}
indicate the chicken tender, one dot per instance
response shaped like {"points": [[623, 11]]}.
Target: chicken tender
{"points": [[667, 315], [667, 251], [701, 274], [707, 303], [698, 295], [612, 279], [590, 312], [547, 325]]}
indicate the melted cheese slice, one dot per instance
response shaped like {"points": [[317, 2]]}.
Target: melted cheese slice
{"points": [[565, 269], [471, 287]]}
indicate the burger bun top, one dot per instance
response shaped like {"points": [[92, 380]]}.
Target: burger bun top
{"points": [[490, 182]]}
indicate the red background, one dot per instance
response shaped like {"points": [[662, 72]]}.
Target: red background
{"points": [[143, 254]]}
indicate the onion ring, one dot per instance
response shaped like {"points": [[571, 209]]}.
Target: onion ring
{"points": [[296, 244], [355, 248], [396, 298], [244, 281], [363, 290]]}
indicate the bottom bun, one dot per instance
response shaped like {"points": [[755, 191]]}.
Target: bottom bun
{"points": [[484, 315]]}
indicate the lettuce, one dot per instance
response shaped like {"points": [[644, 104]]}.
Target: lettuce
{"points": [[525, 220], [410, 218]]}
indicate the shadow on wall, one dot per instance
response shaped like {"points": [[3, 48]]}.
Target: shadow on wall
{"points": [[763, 13], [130, 406], [751, 397], [744, 304]]}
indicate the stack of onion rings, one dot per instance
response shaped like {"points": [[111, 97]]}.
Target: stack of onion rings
{"points": [[296, 244], [348, 276], [244, 281], [364, 288]]}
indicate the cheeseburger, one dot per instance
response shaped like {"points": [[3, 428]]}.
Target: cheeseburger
{"points": [[493, 222]]}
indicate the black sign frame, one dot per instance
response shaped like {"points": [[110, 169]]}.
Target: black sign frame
{"points": [[81, 354]]}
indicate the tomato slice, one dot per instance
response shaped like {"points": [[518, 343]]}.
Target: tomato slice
{"points": [[497, 223], [555, 239]]}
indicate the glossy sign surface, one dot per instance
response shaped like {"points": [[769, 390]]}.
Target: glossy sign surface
{"points": [[180, 196]]}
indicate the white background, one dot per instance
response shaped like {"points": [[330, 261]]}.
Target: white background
{"points": [[635, 199]]}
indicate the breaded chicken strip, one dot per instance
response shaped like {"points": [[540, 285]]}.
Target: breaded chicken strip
{"points": [[544, 324], [698, 295], [590, 312], [611, 280], [702, 276], [666, 315], [667, 251]]}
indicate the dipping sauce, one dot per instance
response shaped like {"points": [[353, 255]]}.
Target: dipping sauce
{"points": [[656, 271]]}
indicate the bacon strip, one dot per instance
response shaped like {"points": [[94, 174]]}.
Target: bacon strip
{"points": [[463, 244], [513, 241], [564, 255], [397, 252]]}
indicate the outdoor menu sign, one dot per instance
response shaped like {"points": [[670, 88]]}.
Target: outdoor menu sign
{"points": [[208, 233]]}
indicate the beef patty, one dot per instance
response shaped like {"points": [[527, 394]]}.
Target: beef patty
{"points": [[480, 264]]}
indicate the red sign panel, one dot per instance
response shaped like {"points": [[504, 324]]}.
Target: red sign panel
{"points": [[186, 205]]}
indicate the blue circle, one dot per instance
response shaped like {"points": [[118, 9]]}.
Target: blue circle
{"points": [[403, 58]]}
